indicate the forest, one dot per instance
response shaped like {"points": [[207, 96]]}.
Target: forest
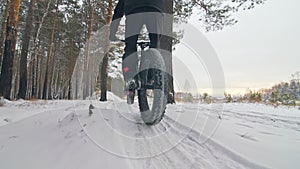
{"points": [[41, 42]]}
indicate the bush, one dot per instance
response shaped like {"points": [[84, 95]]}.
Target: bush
{"points": [[228, 98]]}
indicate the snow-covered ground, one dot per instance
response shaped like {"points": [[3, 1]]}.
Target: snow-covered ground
{"points": [[62, 135]]}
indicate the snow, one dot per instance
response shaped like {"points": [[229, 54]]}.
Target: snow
{"points": [[62, 134], [264, 134]]}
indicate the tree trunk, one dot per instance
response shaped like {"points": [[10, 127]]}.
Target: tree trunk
{"points": [[56, 83], [35, 75], [16, 77], [9, 49], [38, 59], [55, 68], [71, 67], [24, 52], [105, 58], [53, 64], [166, 44], [86, 81], [92, 77], [40, 72], [49, 53], [30, 77], [3, 31], [58, 79], [33, 78]]}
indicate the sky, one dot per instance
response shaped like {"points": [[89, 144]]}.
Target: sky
{"points": [[261, 50]]}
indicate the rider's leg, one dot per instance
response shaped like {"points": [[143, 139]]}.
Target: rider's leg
{"points": [[154, 22], [133, 24], [130, 58]]}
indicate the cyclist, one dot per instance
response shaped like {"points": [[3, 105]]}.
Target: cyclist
{"points": [[137, 13]]}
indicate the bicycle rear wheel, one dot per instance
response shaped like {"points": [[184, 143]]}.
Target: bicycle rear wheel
{"points": [[152, 71]]}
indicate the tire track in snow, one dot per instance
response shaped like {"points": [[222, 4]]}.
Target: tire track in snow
{"points": [[256, 117], [178, 146]]}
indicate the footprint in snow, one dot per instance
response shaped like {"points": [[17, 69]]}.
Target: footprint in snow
{"points": [[6, 120], [244, 125], [13, 137], [268, 133], [248, 137]]}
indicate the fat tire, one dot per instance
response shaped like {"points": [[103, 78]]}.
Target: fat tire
{"points": [[153, 63]]}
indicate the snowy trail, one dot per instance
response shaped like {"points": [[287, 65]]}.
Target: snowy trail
{"points": [[178, 148], [62, 135], [166, 145]]}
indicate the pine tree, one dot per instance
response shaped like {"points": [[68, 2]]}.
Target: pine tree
{"points": [[3, 30], [9, 49], [24, 52], [107, 50]]}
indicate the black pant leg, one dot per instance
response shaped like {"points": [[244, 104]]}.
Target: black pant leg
{"points": [[133, 26]]}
